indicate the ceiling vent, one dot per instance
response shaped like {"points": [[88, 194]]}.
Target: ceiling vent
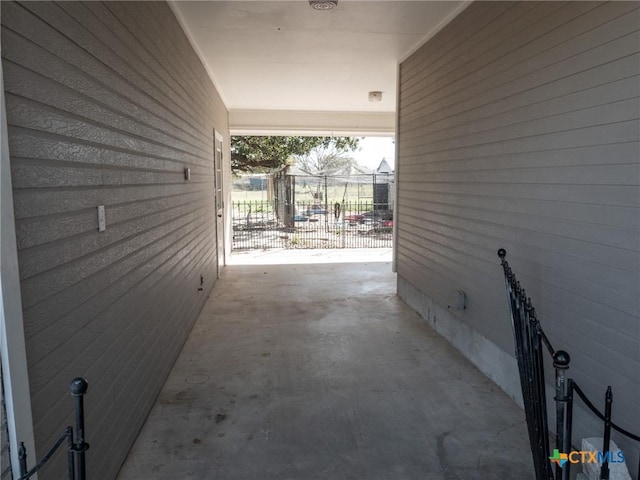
{"points": [[323, 5], [375, 96]]}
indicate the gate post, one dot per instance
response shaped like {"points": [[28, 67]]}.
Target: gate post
{"points": [[344, 225], [606, 447], [561, 360], [78, 388], [22, 458]]}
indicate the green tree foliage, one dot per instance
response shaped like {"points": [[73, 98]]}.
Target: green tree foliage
{"points": [[260, 154]]}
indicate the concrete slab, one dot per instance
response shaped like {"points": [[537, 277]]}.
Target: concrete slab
{"points": [[319, 371], [290, 257]]}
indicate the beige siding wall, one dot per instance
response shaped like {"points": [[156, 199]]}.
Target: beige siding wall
{"points": [[107, 103], [518, 128]]}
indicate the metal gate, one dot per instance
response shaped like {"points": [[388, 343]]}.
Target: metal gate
{"points": [[313, 211], [266, 224]]}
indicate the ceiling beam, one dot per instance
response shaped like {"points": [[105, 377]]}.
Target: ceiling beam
{"points": [[287, 122]]}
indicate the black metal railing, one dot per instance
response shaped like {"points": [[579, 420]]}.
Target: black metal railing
{"points": [[76, 469], [272, 224], [529, 341]]}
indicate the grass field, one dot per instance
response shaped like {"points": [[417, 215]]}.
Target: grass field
{"points": [[304, 194]]}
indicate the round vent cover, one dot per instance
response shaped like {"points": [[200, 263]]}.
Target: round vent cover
{"points": [[323, 5]]}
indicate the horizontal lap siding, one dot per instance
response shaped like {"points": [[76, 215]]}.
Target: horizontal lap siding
{"points": [[107, 104], [519, 128]]}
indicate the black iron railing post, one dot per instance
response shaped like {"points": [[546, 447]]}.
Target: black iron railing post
{"points": [[78, 388], [71, 470], [22, 459], [344, 224], [293, 201], [528, 338], [568, 428], [561, 360], [604, 470]]}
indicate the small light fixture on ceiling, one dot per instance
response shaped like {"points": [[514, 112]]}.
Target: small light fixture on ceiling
{"points": [[375, 96], [323, 4]]}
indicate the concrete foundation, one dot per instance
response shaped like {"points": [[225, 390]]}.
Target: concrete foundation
{"points": [[322, 372], [494, 362]]}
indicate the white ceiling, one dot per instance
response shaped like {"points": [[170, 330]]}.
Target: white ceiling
{"points": [[280, 65]]}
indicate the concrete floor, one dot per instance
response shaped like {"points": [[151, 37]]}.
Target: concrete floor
{"points": [[318, 371]]}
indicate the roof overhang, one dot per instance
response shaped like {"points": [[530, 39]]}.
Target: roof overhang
{"points": [[283, 122]]}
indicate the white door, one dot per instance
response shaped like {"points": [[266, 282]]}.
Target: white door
{"points": [[219, 200]]}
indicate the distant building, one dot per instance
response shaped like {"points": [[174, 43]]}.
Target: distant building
{"points": [[384, 167], [383, 187]]}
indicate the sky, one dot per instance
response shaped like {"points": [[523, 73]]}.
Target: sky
{"points": [[373, 150]]}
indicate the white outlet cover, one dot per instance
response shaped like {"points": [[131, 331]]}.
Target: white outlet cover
{"points": [[102, 219]]}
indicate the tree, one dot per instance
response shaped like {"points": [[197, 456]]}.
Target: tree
{"points": [[259, 153], [326, 160]]}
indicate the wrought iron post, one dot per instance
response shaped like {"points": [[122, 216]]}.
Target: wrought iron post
{"points": [[344, 224], [568, 428], [326, 203], [78, 388], [71, 469], [561, 360], [604, 470], [293, 200], [373, 192], [22, 459]]}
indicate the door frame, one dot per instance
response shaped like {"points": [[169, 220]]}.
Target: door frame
{"points": [[219, 203], [15, 375]]}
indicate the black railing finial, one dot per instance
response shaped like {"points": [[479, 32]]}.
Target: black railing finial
{"points": [[561, 359], [78, 386]]}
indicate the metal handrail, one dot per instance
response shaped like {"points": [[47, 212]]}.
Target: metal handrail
{"points": [[22, 455], [601, 416], [76, 469], [529, 337]]}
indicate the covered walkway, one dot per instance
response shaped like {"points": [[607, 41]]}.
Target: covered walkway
{"points": [[314, 371]]}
